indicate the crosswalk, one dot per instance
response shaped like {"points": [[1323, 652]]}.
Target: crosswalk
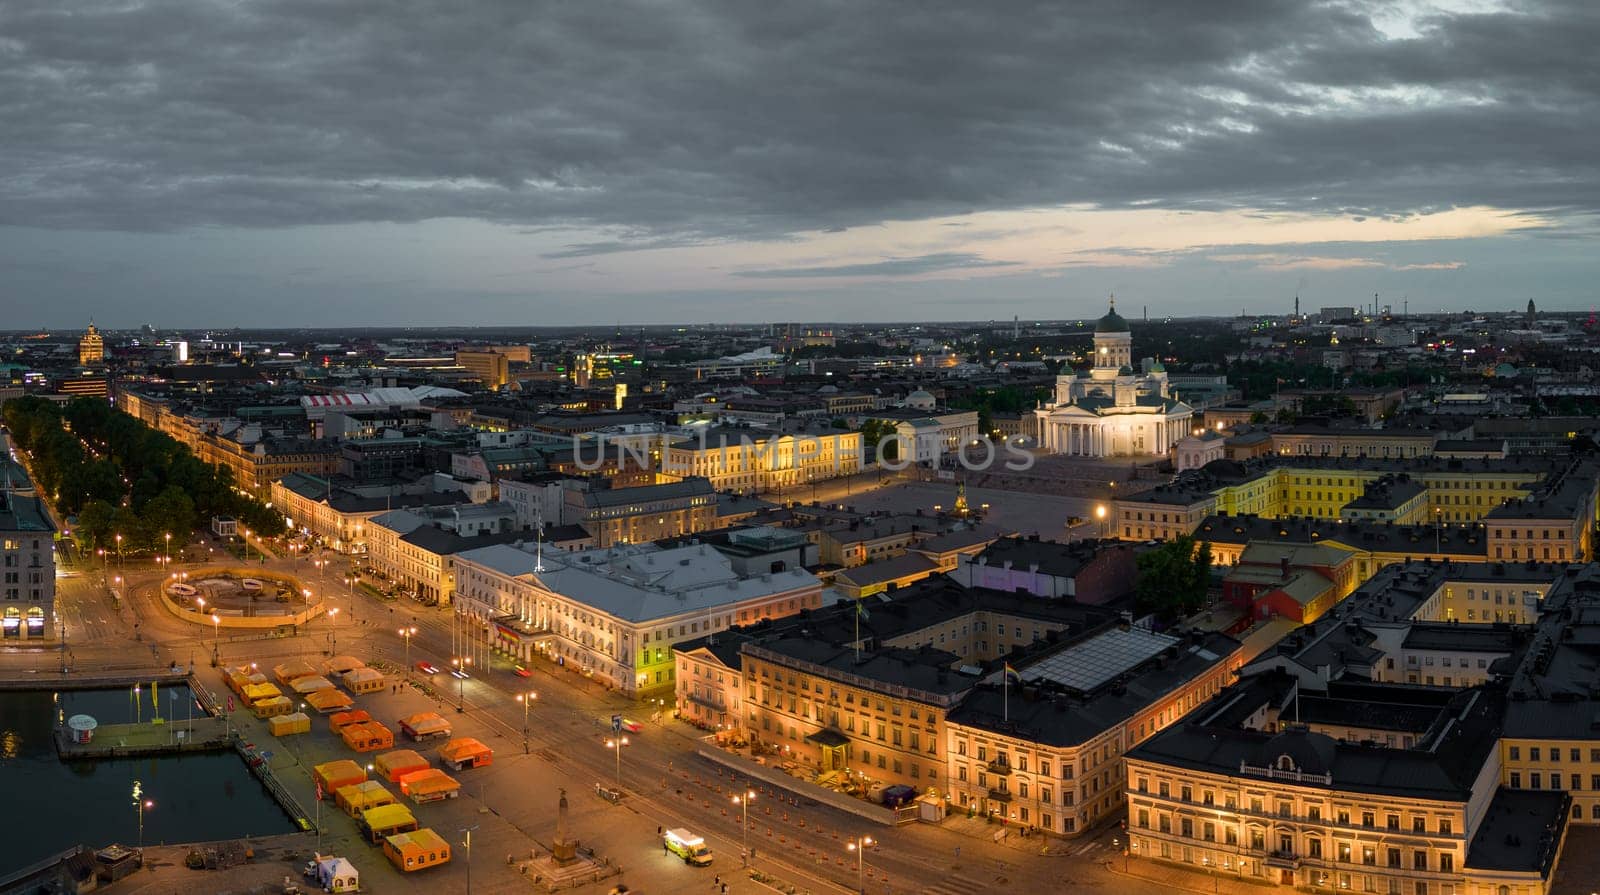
{"points": [[957, 884]]}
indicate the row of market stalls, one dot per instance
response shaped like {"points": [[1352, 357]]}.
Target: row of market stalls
{"points": [[298, 682]]}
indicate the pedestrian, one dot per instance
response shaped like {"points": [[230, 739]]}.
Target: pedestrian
{"points": [[716, 881], [658, 830], [724, 889], [663, 848]]}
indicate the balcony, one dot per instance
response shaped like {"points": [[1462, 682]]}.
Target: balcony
{"points": [[1003, 768], [999, 795], [1286, 859]]}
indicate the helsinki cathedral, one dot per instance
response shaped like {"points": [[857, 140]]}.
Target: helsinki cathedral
{"points": [[1110, 411]]}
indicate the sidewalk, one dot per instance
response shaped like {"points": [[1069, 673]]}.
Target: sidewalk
{"points": [[1009, 836], [1168, 876]]}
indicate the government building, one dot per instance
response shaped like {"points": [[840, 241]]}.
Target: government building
{"points": [[1110, 411]]}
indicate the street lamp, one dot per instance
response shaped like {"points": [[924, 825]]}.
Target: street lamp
{"points": [[744, 802], [333, 625], [406, 633], [216, 644], [526, 699], [140, 803], [119, 551], [168, 536], [617, 744], [461, 663], [859, 846]]}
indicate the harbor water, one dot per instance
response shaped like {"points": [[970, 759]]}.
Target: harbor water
{"points": [[57, 805]]}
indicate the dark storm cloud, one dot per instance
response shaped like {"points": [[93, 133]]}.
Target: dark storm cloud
{"points": [[893, 267], [705, 119]]}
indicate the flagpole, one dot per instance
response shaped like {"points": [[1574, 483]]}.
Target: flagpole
{"points": [[1005, 692]]}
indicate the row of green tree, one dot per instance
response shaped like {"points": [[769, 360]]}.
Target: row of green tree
{"points": [[119, 476]]}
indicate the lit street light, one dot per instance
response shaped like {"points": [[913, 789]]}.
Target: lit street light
{"points": [[859, 846], [526, 699], [460, 663], [617, 744], [216, 644], [333, 625], [139, 804], [744, 802], [406, 633]]}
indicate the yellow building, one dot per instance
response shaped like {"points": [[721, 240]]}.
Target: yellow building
{"points": [[91, 347], [1242, 790], [487, 365], [1045, 751], [1320, 488], [752, 461]]}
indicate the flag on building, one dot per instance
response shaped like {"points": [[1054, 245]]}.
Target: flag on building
{"points": [[1011, 674]]}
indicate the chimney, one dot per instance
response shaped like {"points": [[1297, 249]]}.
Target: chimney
{"points": [[1284, 566]]}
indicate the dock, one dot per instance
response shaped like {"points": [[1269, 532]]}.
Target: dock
{"points": [[203, 734]]}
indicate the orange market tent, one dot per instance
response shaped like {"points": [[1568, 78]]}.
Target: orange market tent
{"points": [[340, 720], [341, 664], [430, 785], [386, 820], [238, 679], [334, 774], [416, 850], [328, 701], [361, 796], [465, 752], [369, 736], [423, 725], [255, 692], [292, 670], [311, 683], [285, 725], [364, 680], [269, 708], [393, 765]]}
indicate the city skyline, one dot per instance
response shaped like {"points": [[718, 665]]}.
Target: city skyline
{"points": [[273, 164]]}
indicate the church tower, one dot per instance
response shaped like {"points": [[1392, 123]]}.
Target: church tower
{"points": [[1113, 344]]}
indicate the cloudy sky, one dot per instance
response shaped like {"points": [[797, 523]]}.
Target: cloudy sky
{"points": [[306, 162]]}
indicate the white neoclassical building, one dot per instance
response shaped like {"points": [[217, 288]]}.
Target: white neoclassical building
{"points": [[1110, 411]]}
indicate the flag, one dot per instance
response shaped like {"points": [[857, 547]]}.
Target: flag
{"points": [[861, 609], [1011, 674], [230, 703], [154, 702], [319, 789]]}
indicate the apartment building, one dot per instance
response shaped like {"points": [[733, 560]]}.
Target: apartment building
{"points": [[416, 549], [1046, 751], [1243, 790], [1457, 490], [27, 569]]}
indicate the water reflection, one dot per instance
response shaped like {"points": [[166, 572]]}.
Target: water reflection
{"points": [[197, 797]]}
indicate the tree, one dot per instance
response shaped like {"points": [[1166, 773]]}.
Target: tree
{"points": [[170, 512], [94, 524], [875, 432], [1173, 577]]}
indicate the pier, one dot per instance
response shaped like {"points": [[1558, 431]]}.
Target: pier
{"points": [[203, 734]]}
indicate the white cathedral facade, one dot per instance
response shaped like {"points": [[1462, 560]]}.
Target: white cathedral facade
{"points": [[1110, 411]]}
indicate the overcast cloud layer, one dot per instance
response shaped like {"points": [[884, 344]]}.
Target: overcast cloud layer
{"points": [[601, 127]]}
